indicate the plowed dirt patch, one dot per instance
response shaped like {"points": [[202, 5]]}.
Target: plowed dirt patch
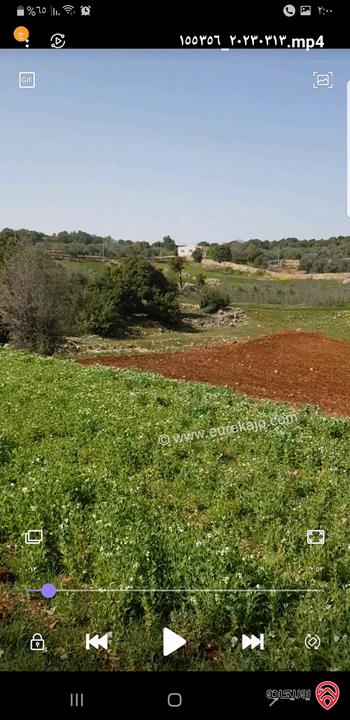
{"points": [[296, 367]]}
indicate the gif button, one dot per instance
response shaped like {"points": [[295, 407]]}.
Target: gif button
{"points": [[174, 700]]}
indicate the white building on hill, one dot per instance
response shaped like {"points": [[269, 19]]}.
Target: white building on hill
{"points": [[186, 250]]}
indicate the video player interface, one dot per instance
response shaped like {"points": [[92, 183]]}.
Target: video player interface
{"points": [[174, 360]]}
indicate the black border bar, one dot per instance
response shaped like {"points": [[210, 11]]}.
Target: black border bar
{"points": [[202, 695], [111, 25]]}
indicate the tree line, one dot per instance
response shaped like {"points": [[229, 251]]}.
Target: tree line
{"points": [[80, 243], [315, 256]]}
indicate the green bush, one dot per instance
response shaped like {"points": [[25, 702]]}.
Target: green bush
{"points": [[220, 253], [197, 255], [101, 312], [132, 288], [212, 299], [201, 280]]}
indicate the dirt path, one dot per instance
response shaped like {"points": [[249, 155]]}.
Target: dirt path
{"points": [[296, 367]]}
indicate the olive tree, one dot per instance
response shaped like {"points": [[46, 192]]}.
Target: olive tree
{"points": [[33, 299]]}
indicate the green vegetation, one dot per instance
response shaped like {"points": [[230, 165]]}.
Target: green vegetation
{"points": [[33, 299], [133, 287], [80, 456], [176, 266], [258, 288], [40, 302], [220, 253], [129, 298], [119, 510], [212, 299], [86, 267], [145, 335], [80, 244], [317, 256], [312, 293], [197, 255]]}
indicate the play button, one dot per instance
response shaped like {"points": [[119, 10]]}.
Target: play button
{"points": [[171, 641]]}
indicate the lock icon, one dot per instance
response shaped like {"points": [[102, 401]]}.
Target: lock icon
{"points": [[37, 642]]}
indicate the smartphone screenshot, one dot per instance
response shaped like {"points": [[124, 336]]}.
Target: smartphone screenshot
{"points": [[175, 362]]}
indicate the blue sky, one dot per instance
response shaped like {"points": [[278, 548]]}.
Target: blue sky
{"points": [[201, 145]]}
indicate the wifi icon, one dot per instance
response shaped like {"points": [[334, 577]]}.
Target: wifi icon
{"points": [[69, 9]]}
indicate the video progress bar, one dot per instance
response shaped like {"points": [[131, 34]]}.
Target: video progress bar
{"points": [[48, 590]]}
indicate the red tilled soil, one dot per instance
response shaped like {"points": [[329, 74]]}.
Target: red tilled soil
{"points": [[296, 367]]}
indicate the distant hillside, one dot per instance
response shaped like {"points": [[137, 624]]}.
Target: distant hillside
{"points": [[315, 256], [329, 255], [83, 243]]}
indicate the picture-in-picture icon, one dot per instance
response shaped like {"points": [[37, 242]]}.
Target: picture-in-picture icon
{"points": [[33, 537]]}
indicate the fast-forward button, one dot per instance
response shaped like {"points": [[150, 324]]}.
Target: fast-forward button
{"points": [[253, 642]]}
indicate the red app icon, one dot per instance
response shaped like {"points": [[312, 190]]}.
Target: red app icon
{"points": [[327, 694]]}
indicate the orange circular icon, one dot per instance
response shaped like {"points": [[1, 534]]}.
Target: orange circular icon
{"points": [[21, 33]]}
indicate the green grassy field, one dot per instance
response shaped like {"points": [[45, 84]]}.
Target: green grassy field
{"points": [[80, 457], [255, 287], [86, 267]]}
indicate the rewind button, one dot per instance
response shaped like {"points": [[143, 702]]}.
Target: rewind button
{"points": [[97, 642]]}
